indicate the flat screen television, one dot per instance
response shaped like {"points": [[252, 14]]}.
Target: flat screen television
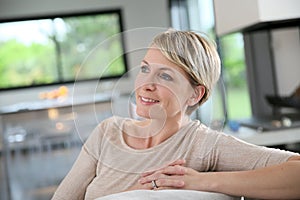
{"points": [[47, 50]]}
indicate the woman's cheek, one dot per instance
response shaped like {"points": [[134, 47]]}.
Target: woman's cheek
{"points": [[138, 83]]}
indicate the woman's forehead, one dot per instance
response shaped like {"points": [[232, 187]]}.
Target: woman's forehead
{"points": [[155, 58], [154, 55]]}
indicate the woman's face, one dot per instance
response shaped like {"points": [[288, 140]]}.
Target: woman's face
{"points": [[162, 88]]}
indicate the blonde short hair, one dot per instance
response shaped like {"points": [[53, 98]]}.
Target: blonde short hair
{"points": [[195, 54]]}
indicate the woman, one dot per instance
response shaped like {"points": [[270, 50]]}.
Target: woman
{"points": [[167, 150]]}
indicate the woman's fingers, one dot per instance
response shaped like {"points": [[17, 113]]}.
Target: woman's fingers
{"points": [[174, 170], [164, 174], [154, 176], [165, 183], [172, 177], [177, 162], [173, 183], [180, 162]]}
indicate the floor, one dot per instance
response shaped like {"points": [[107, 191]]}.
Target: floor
{"points": [[3, 188]]}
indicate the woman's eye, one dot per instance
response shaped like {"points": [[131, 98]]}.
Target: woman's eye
{"points": [[166, 77], [144, 69]]}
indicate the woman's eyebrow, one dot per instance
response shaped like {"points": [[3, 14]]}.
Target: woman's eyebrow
{"points": [[144, 61], [166, 69], [161, 68]]}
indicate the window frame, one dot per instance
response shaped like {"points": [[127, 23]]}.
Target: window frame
{"points": [[60, 81]]}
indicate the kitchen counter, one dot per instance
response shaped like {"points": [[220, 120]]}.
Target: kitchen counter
{"points": [[267, 138], [54, 103]]}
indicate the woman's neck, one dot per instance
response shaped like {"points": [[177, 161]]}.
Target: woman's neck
{"points": [[151, 132]]}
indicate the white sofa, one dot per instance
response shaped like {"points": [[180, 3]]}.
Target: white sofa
{"points": [[167, 194]]}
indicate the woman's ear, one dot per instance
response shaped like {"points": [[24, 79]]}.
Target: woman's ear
{"points": [[197, 95]]}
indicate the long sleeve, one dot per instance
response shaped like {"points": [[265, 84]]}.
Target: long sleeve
{"points": [[79, 177], [232, 154], [75, 184]]}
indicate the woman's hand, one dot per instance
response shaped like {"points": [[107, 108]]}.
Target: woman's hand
{"points": [[148, 185], [173, 176], [140, 186]]}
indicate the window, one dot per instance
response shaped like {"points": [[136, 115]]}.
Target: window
{"points": [[232, 96], [52, 50], [233, 60]]}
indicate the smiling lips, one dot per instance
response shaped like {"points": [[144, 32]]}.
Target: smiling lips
{"points": [[146, 100]]}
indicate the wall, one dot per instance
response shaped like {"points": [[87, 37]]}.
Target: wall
{"points": [[137, 14]]}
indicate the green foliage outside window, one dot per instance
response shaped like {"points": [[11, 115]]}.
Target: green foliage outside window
{"points": [[233, 60], [16, 62], [238, 100], [54, 50]]}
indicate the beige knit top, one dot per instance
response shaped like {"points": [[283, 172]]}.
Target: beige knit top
{"points": [[106, 164]]}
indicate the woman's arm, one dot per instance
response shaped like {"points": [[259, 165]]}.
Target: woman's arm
{"points": [[83, 171], [77, 180], [280, 181]]}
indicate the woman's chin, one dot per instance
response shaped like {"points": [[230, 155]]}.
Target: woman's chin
{"points": [[143, 114]]}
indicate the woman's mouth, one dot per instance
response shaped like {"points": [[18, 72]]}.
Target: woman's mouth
{"points": [[146, 100]]}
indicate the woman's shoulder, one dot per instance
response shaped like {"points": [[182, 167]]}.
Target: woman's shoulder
{"points": [[200, 127], [114, 125], [205, 132], [106, 128], [111, 121]]}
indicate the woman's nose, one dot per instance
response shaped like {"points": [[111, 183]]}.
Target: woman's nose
{"points": [[151, 86], [147, 83]]}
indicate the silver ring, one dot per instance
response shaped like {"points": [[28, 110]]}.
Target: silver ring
{"points": [[154, 186]]}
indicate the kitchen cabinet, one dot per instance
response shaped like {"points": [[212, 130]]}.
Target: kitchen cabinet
{"points": [[270, 31], [235, 15]]}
